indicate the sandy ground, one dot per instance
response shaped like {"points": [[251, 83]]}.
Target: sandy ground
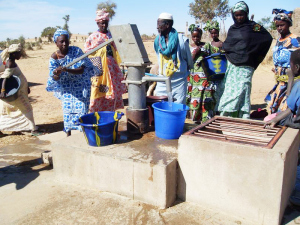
{"points": [[47, 109]]}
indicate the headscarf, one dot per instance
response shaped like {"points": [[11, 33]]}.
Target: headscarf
{"points": [[248, 43], [12, 48], [194, 27], [276, 11], [212, 25], [283, 17], [58, 33], [170, 50], [240, 6], [102, 14]]}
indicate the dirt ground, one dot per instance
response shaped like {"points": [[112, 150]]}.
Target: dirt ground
{"points": [[47, 109]]}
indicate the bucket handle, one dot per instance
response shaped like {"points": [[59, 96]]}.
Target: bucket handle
{"points": [[118, 115]]}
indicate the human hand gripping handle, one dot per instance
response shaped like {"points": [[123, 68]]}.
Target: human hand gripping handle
{"points": [[57, 72]]}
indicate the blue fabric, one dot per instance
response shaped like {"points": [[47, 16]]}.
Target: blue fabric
{"points": [[282, 53], [72, 89], [179, 78], [170, 50], [293, 100], [59, 32]]}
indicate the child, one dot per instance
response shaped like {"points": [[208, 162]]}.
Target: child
{"points": [[214, 29], [291, 116], [200, 93]]}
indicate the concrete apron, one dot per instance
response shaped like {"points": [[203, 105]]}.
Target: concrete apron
{"points": [[30, 194], [142, 169]]}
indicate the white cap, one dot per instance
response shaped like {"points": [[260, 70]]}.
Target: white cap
{"points": [[165, 16]]}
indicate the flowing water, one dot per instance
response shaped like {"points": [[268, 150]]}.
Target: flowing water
{"points": [[170, 100]]}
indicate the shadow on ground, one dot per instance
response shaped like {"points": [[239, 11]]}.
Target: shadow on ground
{"points": [[32, 84], [22, 173], [51, 127]]}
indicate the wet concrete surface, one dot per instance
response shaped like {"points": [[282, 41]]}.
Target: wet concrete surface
{"points": [[29, 194]]}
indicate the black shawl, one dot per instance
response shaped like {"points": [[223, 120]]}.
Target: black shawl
{"points": [[247, 44]]}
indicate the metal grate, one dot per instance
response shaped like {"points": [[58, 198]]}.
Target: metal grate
{"points": [[241, 131]]}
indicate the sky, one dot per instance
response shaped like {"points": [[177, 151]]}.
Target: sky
{"points": [[30, 17]]}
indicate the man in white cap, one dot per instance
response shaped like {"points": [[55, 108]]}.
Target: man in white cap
{"points": [[174, 58]]}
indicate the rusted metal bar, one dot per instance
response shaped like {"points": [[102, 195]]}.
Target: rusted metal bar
{"points": [[276, 137], [239, 131], [228, 137], [261, 129]]}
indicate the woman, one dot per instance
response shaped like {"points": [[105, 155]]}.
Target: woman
{"points": [[214, 29], [246, 46], [16, 115], [107, 89], [71, 85], [200, 93], [281, 57]]}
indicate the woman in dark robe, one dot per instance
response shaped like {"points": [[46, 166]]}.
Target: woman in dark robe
{"points": [[246, 46]]}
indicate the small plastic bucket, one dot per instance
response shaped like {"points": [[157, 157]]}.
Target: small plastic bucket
{"points": [[169, 121], [214, 66], [100, 128], [12, 87]]}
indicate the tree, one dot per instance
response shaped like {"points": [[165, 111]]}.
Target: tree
{"points": [[48, 32], [267, 23], [66, 26], [109, 6], [207, 10]]}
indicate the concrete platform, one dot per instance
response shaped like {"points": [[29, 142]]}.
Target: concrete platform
{"points": [[252, 183], [143, 169]]}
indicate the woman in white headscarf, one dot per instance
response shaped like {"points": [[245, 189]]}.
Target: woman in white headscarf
{"points": [[16, 115]]}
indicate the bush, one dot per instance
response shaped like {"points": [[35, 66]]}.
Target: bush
{"points": [[38, 46], [28, 46]]}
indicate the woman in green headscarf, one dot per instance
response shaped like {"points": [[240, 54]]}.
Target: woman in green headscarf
{"points": [[214, 29], [245, 47]]}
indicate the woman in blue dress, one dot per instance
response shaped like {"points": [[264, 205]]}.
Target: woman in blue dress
{"points": [[70, 85]]}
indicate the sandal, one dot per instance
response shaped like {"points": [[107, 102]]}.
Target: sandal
{"points": [[36, 133]]}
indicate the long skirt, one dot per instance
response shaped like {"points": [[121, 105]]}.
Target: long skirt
{"points": [[235, 90]]}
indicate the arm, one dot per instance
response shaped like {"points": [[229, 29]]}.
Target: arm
{"points": [[290, 82], [3, 94], [271, 123]]}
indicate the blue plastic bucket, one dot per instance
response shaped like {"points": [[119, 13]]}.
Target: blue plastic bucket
{"points": [[214, 66], [100, 128], [169, 122]]}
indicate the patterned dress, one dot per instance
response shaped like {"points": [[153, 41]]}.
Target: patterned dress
{"points": [[72, 89], [200, 93], [235, 90], [281, 57], [106, 89]]}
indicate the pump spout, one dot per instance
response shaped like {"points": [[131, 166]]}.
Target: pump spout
{"points": [[167, 80]]}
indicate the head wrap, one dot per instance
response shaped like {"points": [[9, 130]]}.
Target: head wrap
{"points": [[276, 11], [165, 16], [283, 17], [240, 6], [58, 33], [212, 25], [12, 48], [102, 14], [194, 27]]}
